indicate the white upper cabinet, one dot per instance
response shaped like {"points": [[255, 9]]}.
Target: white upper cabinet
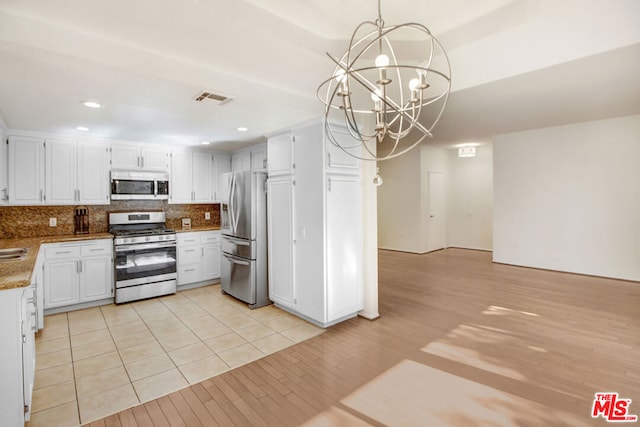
{"points": [[259, 158], [241, 161], [61, 172], [93, 173], [26, 171], [180, 189], [76, 172], [191, 177], [221, 165], [201, 175], [4, 191], [280, 155], [143, 157], [338, 161]]}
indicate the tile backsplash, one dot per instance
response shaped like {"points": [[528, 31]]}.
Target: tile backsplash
{"points": [[33, 221]]}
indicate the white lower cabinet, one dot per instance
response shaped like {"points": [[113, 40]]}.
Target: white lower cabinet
{"points": [[77, 272], [18, 314], [198, 256]]}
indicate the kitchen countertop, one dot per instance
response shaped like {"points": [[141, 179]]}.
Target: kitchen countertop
{"points": [[199, 228], [17, 274]]}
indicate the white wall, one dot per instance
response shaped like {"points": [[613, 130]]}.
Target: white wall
{"points": [[568, 198], [399, 203], [470, 219]]}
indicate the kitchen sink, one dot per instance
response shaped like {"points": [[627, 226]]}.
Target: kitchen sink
{"points": [[13, 254]]}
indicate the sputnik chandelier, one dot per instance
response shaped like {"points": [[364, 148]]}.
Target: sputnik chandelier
{"points": [[388, 99]]}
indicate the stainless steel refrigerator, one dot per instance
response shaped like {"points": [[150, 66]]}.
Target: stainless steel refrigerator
{"points": [[244, 238]]}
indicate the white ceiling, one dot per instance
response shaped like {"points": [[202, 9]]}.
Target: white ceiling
{"points": [[516, 64]]}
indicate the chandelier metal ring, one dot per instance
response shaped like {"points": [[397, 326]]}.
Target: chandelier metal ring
{"points": [[368, 97]]}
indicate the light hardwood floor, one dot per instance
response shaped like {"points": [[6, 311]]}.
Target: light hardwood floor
{"points": [[461, 342]]}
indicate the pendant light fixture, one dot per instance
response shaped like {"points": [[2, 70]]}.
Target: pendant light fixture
{"points": [[388, 98]]}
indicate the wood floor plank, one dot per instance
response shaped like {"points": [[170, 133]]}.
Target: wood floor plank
{"points": [[198, 408], [127, 419], [185, 411], [157, 416], [549, 338], [142, 416], [225, 403], [112, 421], [170, 412]]}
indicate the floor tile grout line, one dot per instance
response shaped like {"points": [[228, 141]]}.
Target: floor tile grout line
{"points": [[176, 313]]}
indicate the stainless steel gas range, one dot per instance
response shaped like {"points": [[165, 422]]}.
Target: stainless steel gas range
{"points": [[145, 255]]}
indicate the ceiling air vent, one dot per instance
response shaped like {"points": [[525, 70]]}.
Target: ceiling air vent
{"points": [[218, 99]]}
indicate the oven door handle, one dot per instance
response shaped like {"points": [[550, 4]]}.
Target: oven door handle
{"points": [[129, 248]]}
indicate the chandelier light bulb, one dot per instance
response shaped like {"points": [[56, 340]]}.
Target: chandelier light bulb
{"points": [[413, 84], [382, 61], [340, 75]]}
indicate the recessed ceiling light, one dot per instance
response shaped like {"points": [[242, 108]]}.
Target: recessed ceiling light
{"points": [[82, 128], [242, 129], [91, 104], [204, 142]]}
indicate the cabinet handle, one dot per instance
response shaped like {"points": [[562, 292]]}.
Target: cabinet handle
{"points": [[190, 250], [189, 269], [328, 159], [329, 185], [40, 195], [96, 250], [141, 161], [138, 161], [5, 195], [202, 251], [62, 252]]}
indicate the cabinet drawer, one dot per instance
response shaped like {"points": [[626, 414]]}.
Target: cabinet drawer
{"points": [[209, 237], [189, 255], [98, 249], [188, 274], [59, 252], [191, 238]]}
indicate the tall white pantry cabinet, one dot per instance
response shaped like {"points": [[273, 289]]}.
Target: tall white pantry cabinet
{"points": [[314, 198]]}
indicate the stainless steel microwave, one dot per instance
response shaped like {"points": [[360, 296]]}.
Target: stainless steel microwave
{"points": [[136, 185]]}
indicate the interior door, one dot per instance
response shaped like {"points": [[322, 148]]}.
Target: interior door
{"points": [[437, 220]]}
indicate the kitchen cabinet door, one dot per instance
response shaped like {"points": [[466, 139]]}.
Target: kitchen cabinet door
{"points": [[241, 161], [221, 165], [29, 327], [26, 171], [181, 177], [344, 247], [281, 244], [4, 195], [61, 283], [280, 155], [210, 262], [61, 172], [338, 160], [154, 159], [125, 156], [201, 178], [96, 278], [93, 174], [258, 159]]}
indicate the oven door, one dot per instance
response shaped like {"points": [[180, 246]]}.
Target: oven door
{"points": [[144, 263]]}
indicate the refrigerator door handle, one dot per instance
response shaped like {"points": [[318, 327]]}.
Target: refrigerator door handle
{"points": [[235, 261], [237, 217], [231, 194], [238, 242]]}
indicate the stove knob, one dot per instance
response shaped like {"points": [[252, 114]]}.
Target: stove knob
{"points": [[148, 238]]}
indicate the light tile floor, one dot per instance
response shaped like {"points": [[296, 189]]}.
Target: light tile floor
{"points": [[94, 362]]}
